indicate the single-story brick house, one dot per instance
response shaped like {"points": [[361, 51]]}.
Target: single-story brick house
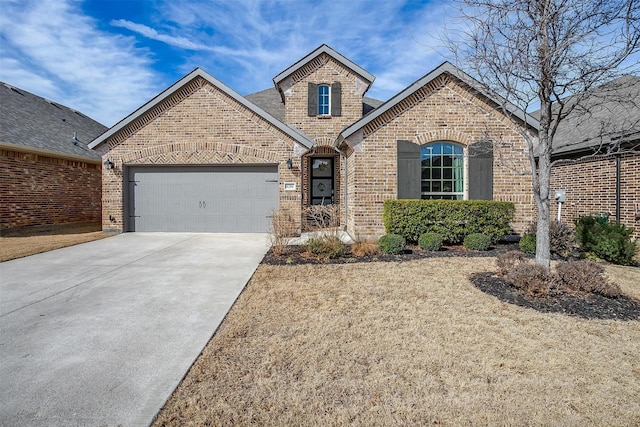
{"points": [[594, 178], [48, 175], [201, 157]]}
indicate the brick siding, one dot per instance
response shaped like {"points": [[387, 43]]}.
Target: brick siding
{"points": [[40, 190], [199, 125], [443, 110], [590, 186]]}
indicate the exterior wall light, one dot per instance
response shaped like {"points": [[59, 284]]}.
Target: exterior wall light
{"points": [[289, 164], [108, 164]]}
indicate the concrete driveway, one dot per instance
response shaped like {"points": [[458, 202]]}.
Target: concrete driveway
{"points": [[100, 334]]}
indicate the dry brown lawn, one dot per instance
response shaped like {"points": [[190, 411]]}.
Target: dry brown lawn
{"points": [[411, 343], [18, 243]]}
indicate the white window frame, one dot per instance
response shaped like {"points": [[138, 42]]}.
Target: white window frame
{"points": [[328, 86], [463, 192]]}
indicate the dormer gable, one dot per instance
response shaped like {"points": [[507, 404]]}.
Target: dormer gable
{"points": [[323, 92], [285, 80]]}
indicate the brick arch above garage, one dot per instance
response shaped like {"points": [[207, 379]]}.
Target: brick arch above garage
{"points": [[199, 153]]}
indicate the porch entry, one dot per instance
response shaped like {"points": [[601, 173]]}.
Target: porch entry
{"points": [[322, 181]]}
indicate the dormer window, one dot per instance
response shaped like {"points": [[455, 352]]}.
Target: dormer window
{"points": [[325, 100], [324, 106]]}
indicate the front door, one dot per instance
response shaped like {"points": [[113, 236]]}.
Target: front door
{"points": [[322, 181]]}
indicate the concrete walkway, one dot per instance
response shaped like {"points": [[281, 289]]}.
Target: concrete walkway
{"points": [[100, 334]]}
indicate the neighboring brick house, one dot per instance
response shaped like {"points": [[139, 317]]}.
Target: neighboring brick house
{"points": [[594, 178], [201, 157], [48, 175]]}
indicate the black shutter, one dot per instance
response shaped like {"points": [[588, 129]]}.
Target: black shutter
{"points": [[312, 100], [336, 99], [481, 171], [409, 170]]}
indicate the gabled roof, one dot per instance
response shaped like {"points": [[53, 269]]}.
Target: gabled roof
{"points": [[448, 68], [199, 72], [610, 113], [31, 123], [367, 76], [269, 100]]}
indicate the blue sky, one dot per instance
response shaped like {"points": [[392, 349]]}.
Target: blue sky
{"points": [[105, 58]]}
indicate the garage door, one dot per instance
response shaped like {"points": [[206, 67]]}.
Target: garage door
{"points": [[217, 199]]}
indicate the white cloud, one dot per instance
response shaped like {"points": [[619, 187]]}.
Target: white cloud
{"points": [[107, 69], [55, 51], [386, 38]]}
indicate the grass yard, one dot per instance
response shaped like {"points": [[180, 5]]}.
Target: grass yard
{"points": [[408, 343], [18, 243]]}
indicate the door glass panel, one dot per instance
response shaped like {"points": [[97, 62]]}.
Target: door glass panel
{"points": [[322, 188], [322, 168]]}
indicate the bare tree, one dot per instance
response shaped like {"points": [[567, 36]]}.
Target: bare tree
{"points": [[547, 54]]}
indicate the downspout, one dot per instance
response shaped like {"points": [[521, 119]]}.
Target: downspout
{"points": [[618, 187]]}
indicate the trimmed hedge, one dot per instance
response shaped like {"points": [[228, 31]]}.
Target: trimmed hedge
{"points": [[452, 219]]}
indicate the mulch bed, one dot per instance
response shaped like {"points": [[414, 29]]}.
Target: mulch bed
{"points": [[591, 306], [584, 306], [297, 255]]}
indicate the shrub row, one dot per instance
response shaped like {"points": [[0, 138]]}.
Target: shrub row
{"points": [[452, 219], [573, 276]]}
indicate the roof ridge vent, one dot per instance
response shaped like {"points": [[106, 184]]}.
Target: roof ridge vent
{"points": [[13, 88], [53, 103]]}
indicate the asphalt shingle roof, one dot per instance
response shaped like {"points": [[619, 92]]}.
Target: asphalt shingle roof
{"points": [[608, 113], [29, 120]]}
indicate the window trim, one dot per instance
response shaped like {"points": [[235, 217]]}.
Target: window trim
{"points": [[328, 98], [452, 195]]}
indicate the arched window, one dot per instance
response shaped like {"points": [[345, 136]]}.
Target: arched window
{"points": [[442, 167]]}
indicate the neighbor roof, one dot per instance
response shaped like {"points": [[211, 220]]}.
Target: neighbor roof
{"points": [[199, 72], [445, 67], [269, 100], [332, 53], [38, 124], [609, 113]]}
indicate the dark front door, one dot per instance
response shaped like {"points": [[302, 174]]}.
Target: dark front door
{"points": [[322, 181]]}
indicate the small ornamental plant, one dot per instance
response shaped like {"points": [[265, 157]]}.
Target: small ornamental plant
{"points": [[392, 244], [430, 241], [326, 247], [477, 242], [528, 244]]}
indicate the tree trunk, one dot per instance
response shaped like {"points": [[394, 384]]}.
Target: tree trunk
{"points": [[543, 245]]}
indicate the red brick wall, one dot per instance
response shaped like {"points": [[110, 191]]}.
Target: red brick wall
{"points": [[590, 186], [38, 190]]}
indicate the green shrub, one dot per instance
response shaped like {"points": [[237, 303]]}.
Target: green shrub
{"points": [[610, 241], [326, 247], [561, 236], [528, 243], [477, 242], [392, 244], [452, 219], [586, 276], [430, 241]]}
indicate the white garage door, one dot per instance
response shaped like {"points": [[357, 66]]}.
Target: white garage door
{"points": [[215, 199]]}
